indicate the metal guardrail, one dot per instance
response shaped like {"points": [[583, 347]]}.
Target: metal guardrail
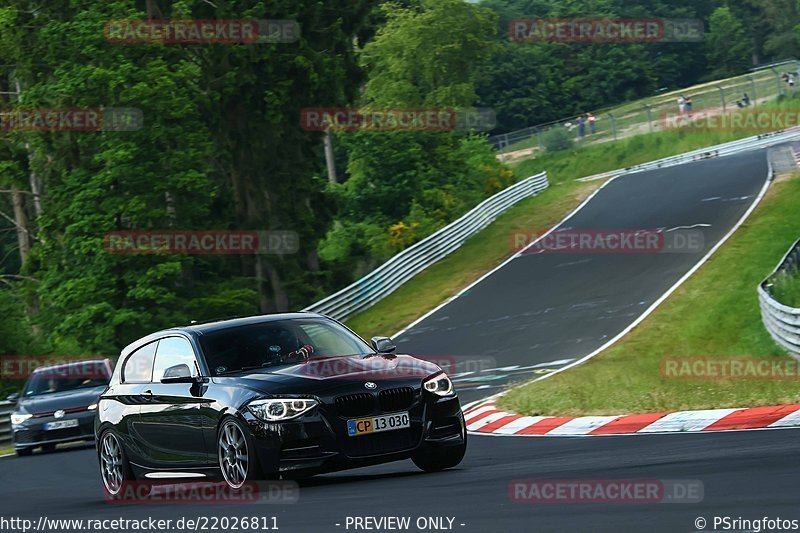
{"points": [[755, 142], [400, 268], [782, 322], [5, 421]]}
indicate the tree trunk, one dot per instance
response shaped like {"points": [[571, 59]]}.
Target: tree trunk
{"points": [[21, 220], [329, 160]]}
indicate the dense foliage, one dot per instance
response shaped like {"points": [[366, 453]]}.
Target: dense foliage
{"points": [[221, 146]]}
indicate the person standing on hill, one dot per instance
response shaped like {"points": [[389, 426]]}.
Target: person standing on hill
{"points": [[592, 127], [681, 104]]}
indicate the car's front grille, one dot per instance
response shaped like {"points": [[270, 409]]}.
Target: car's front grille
{"points": [[358, 404], [398, 399]]}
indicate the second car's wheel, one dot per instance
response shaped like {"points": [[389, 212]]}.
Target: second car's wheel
{"points": [[24, 452], [237, 457], [114, 467], [48, 448]]}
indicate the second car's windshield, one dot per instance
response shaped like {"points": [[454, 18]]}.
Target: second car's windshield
{"points": [[68, 378], [278, 342]]}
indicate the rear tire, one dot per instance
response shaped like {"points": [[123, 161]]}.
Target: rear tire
{"points": [[115, 470], [48, 448]]}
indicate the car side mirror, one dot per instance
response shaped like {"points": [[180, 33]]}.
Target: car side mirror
{"points": [[383, 345], [178, 374], [13, 397]]}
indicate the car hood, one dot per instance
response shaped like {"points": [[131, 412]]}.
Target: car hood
{"points": [[72, 399], [332, 372]]}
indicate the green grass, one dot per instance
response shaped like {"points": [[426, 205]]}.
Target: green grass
{"points": [[627, 152], [786, 288], [714, 314], [6, 449]]}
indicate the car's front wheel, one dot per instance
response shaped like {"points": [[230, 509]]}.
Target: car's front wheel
{"points": [[237, 455], [435, 457], [24, 452], [114, 466]]}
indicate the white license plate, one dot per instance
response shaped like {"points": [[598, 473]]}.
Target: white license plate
{"points": [[61, 424], [375, 424]]}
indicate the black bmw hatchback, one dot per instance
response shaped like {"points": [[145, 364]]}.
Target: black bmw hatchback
{"points": [[269, 396]]}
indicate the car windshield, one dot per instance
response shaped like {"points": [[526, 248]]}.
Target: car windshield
{"points": [[279, 342], [66, 378]]}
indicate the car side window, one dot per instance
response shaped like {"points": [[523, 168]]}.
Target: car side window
{"points": [[139, 365], [173, 351]]}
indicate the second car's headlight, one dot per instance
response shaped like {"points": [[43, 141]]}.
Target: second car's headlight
{"points": [[440, 385], [19, 418], [278, 409]]}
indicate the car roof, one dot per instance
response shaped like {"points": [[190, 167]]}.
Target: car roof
{"points": [[210, 327]]}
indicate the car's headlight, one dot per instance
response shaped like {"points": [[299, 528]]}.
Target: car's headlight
{"points": [[19, 418], [278, 409], [440, 385]]}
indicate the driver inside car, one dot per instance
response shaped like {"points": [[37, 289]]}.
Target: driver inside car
{"points": [[283, 344]]}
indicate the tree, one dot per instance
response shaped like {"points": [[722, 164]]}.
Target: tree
{"points": [[728, 46]]}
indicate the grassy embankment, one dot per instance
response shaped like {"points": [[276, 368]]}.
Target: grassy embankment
{"points": [[715, 313]]}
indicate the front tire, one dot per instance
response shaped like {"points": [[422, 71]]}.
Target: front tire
{"points": [[433, 458], [236, 453], [24, 452]]}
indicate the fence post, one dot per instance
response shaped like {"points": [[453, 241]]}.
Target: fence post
{"points": [[613, 125], [778, 80], [722, 97], [649, 117], [754, 99]]}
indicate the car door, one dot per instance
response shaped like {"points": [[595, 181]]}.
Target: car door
{"points": [[172, 419], [128, 395]]}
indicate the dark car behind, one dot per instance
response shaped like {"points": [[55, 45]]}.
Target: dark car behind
{"points": [[58, 404]]}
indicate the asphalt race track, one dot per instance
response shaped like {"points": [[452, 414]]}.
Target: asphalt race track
{"points": [[550, 307], [745, 474], [538, 309]]}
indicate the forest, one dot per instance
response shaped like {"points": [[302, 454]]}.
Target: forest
{"points": [[221, 145]]}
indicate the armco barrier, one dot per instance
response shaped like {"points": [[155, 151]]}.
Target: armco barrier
{"points": [[5, 421], [782, 321], [393, 273], [734, 147]]}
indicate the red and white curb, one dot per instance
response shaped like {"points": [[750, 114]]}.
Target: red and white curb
{"points": [[486, 419]]}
